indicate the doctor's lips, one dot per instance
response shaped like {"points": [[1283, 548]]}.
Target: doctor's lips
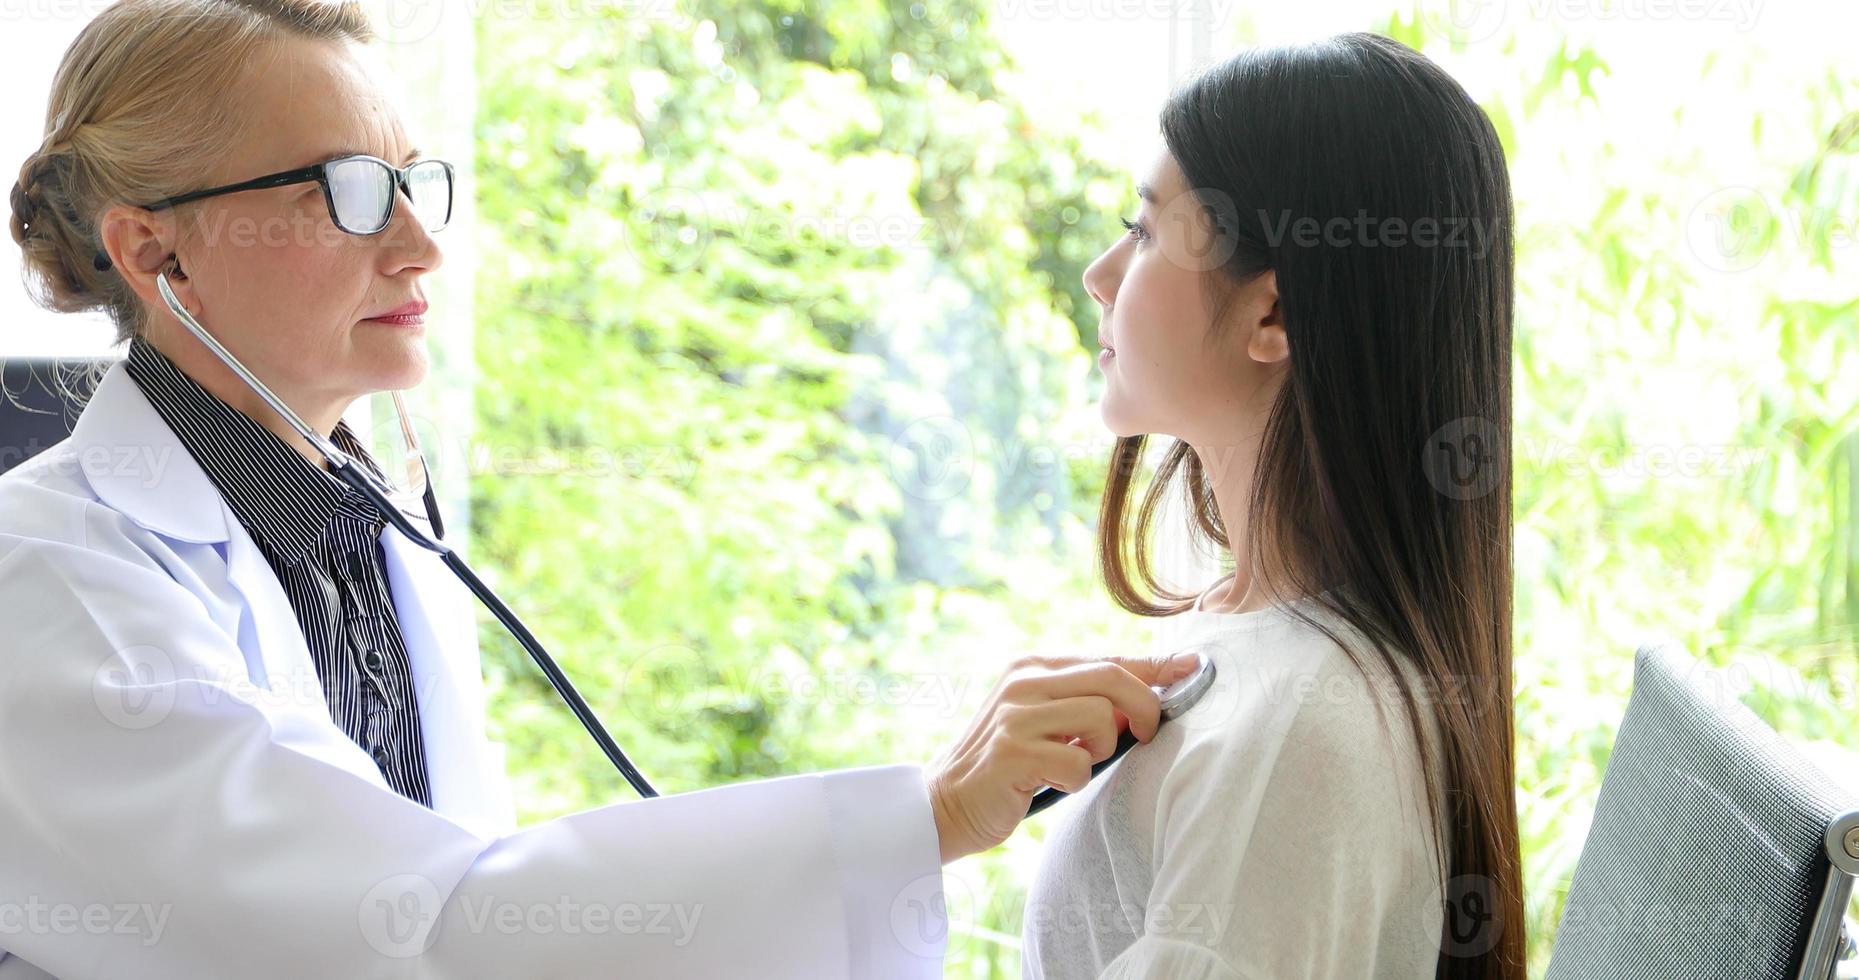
{"points": [[405, 315]]}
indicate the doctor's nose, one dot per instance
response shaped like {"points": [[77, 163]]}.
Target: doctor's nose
{"points": [[408, 242]]}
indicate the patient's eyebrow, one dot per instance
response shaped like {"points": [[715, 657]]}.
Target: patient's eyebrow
{"points": [[1146, 192]]}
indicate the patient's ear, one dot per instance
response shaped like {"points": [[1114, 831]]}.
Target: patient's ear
{"points": [[1265, 328]]}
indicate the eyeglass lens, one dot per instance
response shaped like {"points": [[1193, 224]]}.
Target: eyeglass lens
{"points": [[363, 190]]}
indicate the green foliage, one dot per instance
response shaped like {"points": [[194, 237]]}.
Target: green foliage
{"points": [[775, 326]]}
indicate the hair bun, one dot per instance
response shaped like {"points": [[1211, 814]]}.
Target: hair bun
{"points": [[28, 197], [25, 209]]}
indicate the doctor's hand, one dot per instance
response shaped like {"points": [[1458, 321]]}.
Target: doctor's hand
{"points": [[1047, 721]]}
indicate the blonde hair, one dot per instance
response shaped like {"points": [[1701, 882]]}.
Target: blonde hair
{"points": [[140, 105]]}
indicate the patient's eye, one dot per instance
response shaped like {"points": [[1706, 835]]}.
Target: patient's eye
{"points": [[1136, 230]]}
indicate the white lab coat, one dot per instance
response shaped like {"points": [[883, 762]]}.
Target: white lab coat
{"points": [[175, 800]]}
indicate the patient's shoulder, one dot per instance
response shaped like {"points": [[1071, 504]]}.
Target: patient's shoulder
{"points": [[1294, 697], [1305, 652]]}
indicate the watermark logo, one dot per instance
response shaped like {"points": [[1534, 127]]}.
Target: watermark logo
{"points": [[134, 687], [1473, 920], [933, 458], [673, 230], [1463, 459], [400, 915]]}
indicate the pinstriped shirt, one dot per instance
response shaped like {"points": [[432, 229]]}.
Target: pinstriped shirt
{"points": [[322, 539]]}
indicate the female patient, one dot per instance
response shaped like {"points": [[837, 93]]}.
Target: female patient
{"points": [[1314, 304]]}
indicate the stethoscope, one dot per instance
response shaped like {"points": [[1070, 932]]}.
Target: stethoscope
{"points": [[1176, 698]]}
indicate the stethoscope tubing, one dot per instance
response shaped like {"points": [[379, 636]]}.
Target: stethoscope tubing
{"points": [[351, 473]]}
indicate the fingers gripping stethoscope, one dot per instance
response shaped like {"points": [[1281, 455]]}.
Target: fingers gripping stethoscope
{"points": [[350, 472], [1176, 698]]}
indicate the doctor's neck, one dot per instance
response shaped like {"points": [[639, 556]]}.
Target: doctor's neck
{"points": [[320, 411]]}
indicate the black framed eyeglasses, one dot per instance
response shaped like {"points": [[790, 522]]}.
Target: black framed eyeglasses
{"points": [[359, 190]]}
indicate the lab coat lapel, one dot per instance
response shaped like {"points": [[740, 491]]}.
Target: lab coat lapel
{"points": [[438, 626], [138, 466], [269, 627]]}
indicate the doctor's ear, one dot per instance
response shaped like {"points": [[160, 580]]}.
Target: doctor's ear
{"points": [[140, 245]]}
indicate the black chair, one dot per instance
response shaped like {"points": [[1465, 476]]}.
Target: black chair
{"points": [[40, 399], [1717, 850]]}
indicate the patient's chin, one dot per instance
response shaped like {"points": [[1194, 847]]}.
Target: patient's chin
{"points": [[1118, 420]]}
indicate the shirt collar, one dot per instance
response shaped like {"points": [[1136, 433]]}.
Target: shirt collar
{"points": [[284, 500]]}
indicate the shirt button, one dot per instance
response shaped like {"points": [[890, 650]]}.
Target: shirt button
{"points": [[373, 660], [380, 755]]}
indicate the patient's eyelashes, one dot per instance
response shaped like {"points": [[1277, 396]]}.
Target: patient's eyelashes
{"points": [[1136, 230]]}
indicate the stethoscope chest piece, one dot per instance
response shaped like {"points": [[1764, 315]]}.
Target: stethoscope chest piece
{"points": [[1176, 699], [1183, 694]]}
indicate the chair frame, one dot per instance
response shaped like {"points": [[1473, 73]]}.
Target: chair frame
{"points": [[1831, 935]]}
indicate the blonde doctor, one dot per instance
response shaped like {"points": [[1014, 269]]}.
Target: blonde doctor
{"points": [[241, 716]]}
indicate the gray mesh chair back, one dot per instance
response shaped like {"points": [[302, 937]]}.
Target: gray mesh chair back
{"points": [[1716, 850], [40, 399]]}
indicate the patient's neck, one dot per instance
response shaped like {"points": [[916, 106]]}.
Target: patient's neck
{"points": [[1229, 470]]}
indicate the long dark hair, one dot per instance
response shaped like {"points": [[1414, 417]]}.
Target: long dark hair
{"points": [[1375, 188]]}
